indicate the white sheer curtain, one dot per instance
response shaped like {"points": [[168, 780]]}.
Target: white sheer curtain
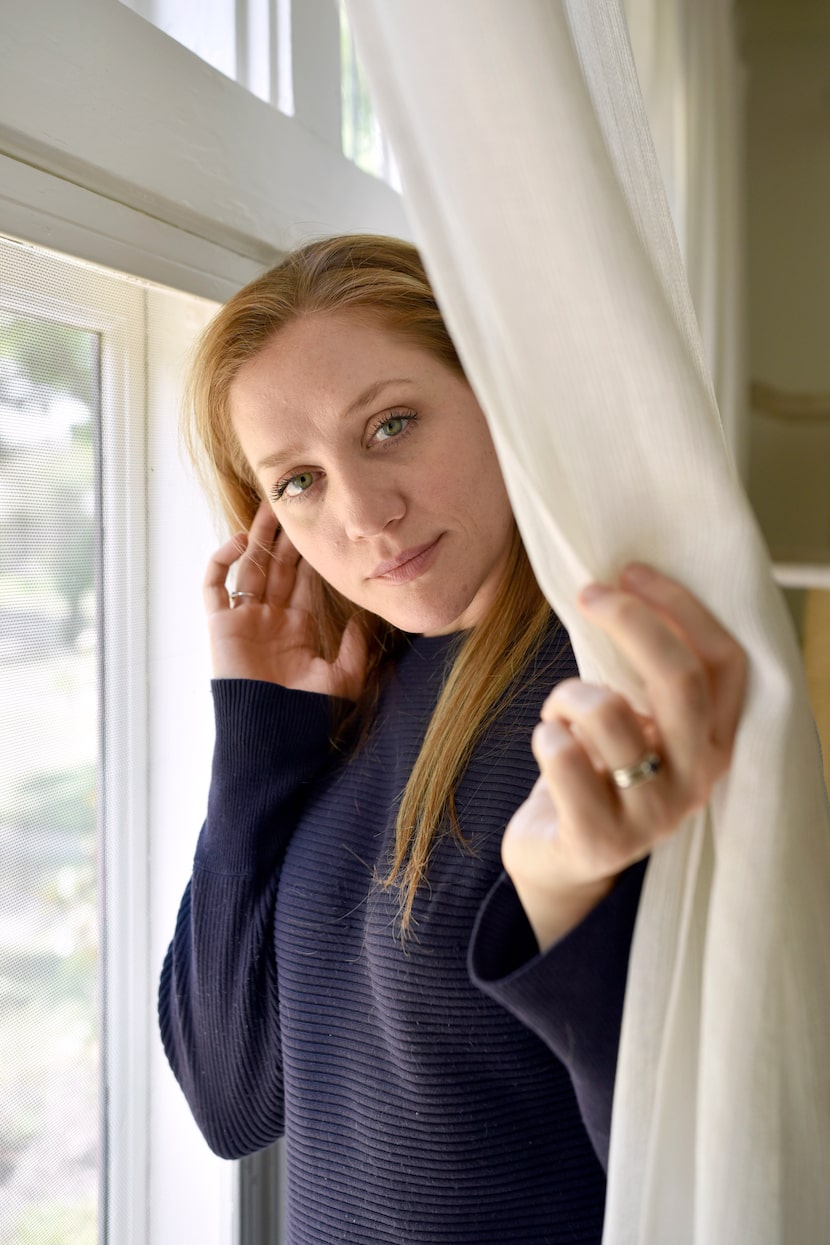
{"points": [[693, 87], [535, 194]]}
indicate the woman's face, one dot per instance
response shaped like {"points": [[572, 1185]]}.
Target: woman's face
{"points": [[379, 466]]}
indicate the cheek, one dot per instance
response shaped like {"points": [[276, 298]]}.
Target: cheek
{"points": [[316, 542], [492, 488], [476, 489], [481, 464]]}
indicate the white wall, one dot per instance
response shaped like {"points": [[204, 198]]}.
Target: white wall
{"points": [[190, 1192]]}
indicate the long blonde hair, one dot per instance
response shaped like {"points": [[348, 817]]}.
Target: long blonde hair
{"points": [[385, 278]]}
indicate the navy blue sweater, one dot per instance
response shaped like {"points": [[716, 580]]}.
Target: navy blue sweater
{"points": [[453, 1087]]}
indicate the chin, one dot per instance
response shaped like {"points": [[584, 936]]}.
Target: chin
{"points": [[426, 619]]}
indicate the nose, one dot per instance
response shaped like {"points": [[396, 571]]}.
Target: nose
{"points": [[368, 506]]}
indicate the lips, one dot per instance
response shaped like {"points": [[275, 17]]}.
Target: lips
{"points": [[406, 565]]}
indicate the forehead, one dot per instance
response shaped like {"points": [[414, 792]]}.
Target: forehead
{"points": [[326, 357], [320, 375]]}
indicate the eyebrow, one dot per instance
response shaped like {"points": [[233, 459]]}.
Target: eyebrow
{"points": [[362, 400]]}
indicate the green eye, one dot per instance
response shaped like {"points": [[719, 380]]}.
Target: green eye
{"points": [[391, 427], [298, 484], [394, 427]]}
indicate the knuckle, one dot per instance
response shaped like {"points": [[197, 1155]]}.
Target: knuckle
{"points": [[690, 689], [562, 698], [568, 685], [611, 712], [627, 610], [566, 688], [589, 704], [568, 757]]}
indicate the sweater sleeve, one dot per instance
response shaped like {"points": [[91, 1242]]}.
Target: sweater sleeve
{"points": [[218, 995], [572, 995]]}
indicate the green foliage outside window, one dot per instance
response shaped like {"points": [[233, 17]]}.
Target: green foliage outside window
{"points": [[49, 1058]]}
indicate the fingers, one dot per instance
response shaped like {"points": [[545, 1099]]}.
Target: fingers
{"points": [[718, 649], [266, 565], [613, 737], [676, 681], [580, 797], [694, 674], [214, 592], [602, 720], [253, 570], [301, 589], [693, 671], [284, 570], [579, 829]]}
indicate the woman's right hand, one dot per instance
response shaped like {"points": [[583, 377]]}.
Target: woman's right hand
{"points": [[270, 635]]}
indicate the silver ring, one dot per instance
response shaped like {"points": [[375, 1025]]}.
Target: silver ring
{"points": [[237, 596], [641, 771]]}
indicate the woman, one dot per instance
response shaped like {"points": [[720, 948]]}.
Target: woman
{"points": [[427, 1005]]}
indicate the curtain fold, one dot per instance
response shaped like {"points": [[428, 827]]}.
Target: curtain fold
{"points": [[535, 195], [693, 86]]}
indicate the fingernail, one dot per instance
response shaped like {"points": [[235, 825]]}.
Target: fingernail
{"points": [[594, 593]]}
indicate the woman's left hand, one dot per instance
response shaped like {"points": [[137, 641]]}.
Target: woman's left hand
{"points": [[581, 826]]}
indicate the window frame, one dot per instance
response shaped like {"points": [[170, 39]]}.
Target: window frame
{"points": [[97, 101], [101, 116], [28, 289], [158, 1182]]}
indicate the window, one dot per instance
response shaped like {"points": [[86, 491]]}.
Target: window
{"points": [[142, 157], [50, 785], [92, 676], [269, 45], [133, 197], [247, 40], [363, 139]]}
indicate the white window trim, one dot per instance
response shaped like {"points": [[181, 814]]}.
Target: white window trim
{"points": [[48, 211], [802, 575], [124, 644], [178, 155], [29, 289], [162, 1184]]}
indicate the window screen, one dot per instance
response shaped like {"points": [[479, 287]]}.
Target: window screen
{"points": [[50, 1100], [70, 339]]}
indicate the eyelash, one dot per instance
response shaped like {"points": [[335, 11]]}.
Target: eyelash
{"points": [[276, 493]]}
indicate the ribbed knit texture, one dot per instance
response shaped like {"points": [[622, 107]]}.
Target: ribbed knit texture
{"points": [[429, 1089]]}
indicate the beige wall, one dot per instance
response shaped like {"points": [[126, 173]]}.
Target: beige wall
{"points": [[787, 52]]}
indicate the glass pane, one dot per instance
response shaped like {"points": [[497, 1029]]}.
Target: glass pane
{"points": [[206, 27], [364, 141], [49, 1040], [234, 36]]}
